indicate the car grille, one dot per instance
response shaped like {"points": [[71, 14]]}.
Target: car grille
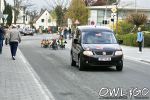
{"points": [[104, 53]]}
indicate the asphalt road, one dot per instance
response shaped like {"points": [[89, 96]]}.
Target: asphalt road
{"points": [[68, 83]]}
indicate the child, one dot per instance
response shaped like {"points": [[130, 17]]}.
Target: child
{"points": [[54, 44], [61, 42]]}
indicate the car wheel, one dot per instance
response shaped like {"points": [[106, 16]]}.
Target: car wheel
{"points": [[80, 64], [73, 63], [119, 66]]}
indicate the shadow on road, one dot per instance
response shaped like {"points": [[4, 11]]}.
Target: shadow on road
{"points": [[99, 69]]}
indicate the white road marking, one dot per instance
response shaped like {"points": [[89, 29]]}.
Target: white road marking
{"points": [[44, 90], [135, 59]]}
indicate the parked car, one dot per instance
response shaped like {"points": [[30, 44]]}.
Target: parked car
{"points": [[27, 31], [96, 46]]}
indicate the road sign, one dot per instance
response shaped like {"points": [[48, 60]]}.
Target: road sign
{"points": [[113, 15], [92, 23], [77, 22], [113, 9]]}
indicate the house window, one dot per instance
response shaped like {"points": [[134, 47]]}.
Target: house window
{"points": [[100, 16], [49, 20], [42, 20]]}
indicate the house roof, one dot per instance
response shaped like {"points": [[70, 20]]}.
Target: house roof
{"points": [[128, 5], [39, 15]]}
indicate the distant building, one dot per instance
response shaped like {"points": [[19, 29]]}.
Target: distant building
{"points": [[126, 7], [2, 7], [44, 20], [23, 19]]}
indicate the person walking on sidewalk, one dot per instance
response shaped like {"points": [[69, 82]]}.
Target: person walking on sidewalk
{"points": [[140, 39], [1, 38], [14, 38]]}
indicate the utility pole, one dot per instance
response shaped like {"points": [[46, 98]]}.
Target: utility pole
{"points": [[105, 16], [117, 15]]}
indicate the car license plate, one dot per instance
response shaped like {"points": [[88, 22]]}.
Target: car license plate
{"points": [[104, 59]]}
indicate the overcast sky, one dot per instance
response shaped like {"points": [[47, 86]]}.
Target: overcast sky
{"points": [[139, 3], [38, 4], [46, 3]]}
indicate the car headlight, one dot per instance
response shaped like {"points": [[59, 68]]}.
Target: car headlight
{"points": [[118, 53], [88, 53]]}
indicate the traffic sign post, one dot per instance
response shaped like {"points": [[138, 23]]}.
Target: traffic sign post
{"points": [[114, 9], [115, 13]]}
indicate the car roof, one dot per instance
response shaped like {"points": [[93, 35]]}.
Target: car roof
{"points": [[90, 27]]}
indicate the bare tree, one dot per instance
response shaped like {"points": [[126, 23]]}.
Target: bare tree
{"points": [[54, 3], [17, 5], [59, 8]]}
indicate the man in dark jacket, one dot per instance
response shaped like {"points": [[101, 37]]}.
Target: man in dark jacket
{"points": [[1, 38]]}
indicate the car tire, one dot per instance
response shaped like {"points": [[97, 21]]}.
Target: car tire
{"points": [[81, 65], [119, 66], [73, 63]]}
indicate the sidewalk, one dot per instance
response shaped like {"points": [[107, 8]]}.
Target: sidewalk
{"points": [[132, 53], [17, 80]]}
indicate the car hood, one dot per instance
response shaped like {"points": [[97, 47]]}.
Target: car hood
{"points": [[101, 47]]}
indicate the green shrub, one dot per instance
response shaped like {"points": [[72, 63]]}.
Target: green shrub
{"points": [[130, 39], [124, 27], [147, 40]]}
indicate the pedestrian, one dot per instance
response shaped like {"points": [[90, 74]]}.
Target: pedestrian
{"points": [[65, 32], [69, 33], [1, 38], [14, 38], [140, 39], [59, 31]]}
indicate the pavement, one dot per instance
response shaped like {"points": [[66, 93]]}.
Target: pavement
{"points": [[133, 54], [18, 81]]}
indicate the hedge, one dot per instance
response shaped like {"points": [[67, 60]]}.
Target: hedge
{"points": [[130, 39]]}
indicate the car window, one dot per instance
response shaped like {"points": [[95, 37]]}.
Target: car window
{"points": [[98, 37]]}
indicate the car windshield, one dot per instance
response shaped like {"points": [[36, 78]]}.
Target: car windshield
{"points": [[98, 37]]}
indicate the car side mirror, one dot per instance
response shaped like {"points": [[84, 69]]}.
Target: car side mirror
{"points": [[75, 41], [120, 41]]}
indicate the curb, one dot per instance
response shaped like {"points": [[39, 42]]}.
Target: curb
{"points": [[138, 60], [42, 87]]}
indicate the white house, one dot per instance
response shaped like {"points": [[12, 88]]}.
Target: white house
{"points": [[125, 7], [44, 20], [23, 19]]}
